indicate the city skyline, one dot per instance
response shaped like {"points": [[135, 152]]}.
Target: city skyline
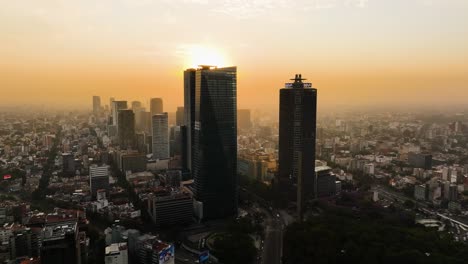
{"points": [[67, 50]]}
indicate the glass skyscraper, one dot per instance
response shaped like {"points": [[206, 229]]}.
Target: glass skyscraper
{"points": [[297, 128], [126, 129], [214, 145]]}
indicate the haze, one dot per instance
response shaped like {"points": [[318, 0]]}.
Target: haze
{"points": [[374, 52]]}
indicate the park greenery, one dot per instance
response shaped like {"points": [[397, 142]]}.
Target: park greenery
{"points": [[366, 233], [236, 244]]}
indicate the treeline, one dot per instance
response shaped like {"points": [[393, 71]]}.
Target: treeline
{"points": [[373, 235]]}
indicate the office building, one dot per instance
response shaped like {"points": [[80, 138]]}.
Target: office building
{"points": [[117, 254], [111, 100], [116, 107], [189, 112], [96, 105], [168, 207], [160, 132], [143, 121], [184, 148], [150, 250], [180, 116], [214, 156], [60, 243], [136, 106], [131, 161], [420, 192], [297, 128], [243, 119], [24, 243], [126, 129], [420, 160], [325, 182], [98, 179], [156, 106], [68, 164]]}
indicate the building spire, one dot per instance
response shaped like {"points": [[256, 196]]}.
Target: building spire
{"points": [[298, 78]]}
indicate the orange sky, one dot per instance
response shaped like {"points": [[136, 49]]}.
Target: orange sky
{"points": [[363, 52]]}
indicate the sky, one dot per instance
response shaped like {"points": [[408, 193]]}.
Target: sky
{"points": [[355, 52]]}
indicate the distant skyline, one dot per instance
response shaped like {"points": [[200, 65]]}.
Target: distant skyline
{"points": [[355, 52]]}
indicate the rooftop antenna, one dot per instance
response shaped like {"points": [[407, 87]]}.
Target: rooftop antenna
{"points": [[298, 78]]}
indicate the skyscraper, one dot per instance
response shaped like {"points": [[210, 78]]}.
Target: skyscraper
{"points": [[189, 112], [136, 106], [160, 132], [214, 157], [116, 106], [98, 179], [60, 243], [297, 128], [126, 129], [180, 116], [243, 119], [156, 106], [96, 105]]}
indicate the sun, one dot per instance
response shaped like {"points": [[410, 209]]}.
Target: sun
{"points": [[204, 55]]}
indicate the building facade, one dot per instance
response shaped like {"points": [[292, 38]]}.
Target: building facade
{"points": [[126, 129], [156, 106], [160, 132], [297, 128], [214, 146]]}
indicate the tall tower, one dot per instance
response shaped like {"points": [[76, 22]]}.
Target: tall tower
{"points": [[214, 156], [126, 129], [96, 105], [156, 106], [180, 116], [116, 107], [189, 112], [160, 132], [297, 128]]}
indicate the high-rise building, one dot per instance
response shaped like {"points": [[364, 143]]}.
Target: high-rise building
{"points": [[214, 156], [96, 105], [189, 112], [243, 119], [60, 243], [160, 132], [420, 160], [156, 106], [297, 128], [150, 250], [116, 107], [180, 116], [98, 179], [111, 100], [170, 206], [136, 106], [143, 121], [68, 164], [126, 129], [325, 182]]}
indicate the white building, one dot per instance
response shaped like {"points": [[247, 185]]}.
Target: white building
{"points": [[369, 169], [160, 133]]}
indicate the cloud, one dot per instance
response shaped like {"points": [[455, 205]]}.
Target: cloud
{"points": [[244, 9]]}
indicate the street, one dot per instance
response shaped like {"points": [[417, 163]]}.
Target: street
{"points": [[272, 251]]}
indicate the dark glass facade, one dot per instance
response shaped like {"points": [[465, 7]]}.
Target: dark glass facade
{"points": [[297, 128], [126, 129], [214, 159], [189, 112]]}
